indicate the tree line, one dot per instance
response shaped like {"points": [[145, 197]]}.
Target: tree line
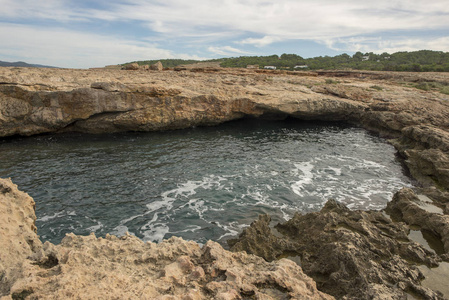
{"points": [[416, 61]]}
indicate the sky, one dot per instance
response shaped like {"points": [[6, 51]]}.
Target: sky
{"points": [[84, 34]]}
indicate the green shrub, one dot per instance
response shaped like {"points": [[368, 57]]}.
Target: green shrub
{"points": [[425, 86], [445, 90], [331, 81], [376, 87]]}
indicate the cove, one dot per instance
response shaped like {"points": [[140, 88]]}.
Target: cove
{"points": [[200, 183]]}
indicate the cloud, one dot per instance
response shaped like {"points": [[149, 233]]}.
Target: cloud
{"points": [[286, 18], [65, 48], [226, 50], [260, 42], [390, 45], [130, 28]]}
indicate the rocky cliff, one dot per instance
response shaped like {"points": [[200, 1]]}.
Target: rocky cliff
{"points": [[349, 254], [35, 101], [127, 268]]}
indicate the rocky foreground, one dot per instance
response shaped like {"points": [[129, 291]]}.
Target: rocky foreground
{"points": [[347, 254]]}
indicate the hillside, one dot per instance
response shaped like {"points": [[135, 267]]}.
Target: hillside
{"points": [[22, 64], [417, 61]]}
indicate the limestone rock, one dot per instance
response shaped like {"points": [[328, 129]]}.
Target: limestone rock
{"points": [[157, 66], [18, 238], [87, 267], [35, 101], [132, 66], [405, 206], [350, 254]]}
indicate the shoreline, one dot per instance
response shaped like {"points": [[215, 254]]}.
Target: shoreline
{"points": [[416, 122]]}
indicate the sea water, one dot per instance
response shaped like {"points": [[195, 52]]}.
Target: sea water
{"points": [[200, 183]]}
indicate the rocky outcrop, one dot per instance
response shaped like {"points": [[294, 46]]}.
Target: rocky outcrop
{"points": [[350, 254], [157, 66], [127, 268], [405, 207], [35, 101], [132, 66], [18, 238]]}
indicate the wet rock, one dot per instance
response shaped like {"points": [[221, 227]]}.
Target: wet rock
{"points": [[404, 206], [350, 254]]}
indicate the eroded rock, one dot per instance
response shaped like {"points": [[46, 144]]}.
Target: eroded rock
{"points": [[35, 101], [350, 254], [157, 66], [18, 238], [87, 267]]}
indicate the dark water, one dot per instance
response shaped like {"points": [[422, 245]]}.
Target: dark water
{"points": [[201, 183]]}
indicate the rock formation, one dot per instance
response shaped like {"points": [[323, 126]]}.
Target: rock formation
{"points": [[132, 66], [127, 268], [350, 254], [34, 101], [157, 66]]}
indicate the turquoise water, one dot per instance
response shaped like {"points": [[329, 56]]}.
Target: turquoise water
{"points": [[201, 183]]}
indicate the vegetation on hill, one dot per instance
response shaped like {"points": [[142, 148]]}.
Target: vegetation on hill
{"points": [[417, 61], [168, 63], [22, 64]]}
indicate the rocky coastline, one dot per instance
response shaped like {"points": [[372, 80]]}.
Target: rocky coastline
{"points": [[342, 253]]}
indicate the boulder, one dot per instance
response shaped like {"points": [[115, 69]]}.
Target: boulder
{"points": [[132, 66], [157, 66], [350, 254]]}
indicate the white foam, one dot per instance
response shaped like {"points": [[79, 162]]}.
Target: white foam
{"points": [[307, 177], [94, 228], [154, 232], [56, 215], [337, 171], [196, 205], [120, 230], [190, 228], [232, 229]]}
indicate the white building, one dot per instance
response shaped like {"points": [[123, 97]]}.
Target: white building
{"points": [[270, 67]]}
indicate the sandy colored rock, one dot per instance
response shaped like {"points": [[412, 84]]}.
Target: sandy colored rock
{"points": [[87, 267], [34, 101], [352, 255], [18, 238], [157, 66], [132, 66]]}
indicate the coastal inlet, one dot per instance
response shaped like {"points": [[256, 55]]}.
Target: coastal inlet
{"points": [[200, 183]]}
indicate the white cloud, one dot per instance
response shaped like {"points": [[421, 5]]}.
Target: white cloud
{"points": [[266, 40], [65, 48], [340, 25], [226, 50], [391, 45], [287, 19]]}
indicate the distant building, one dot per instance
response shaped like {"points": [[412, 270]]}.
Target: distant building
{"points": [[301, 67], [252, 66], [270, 67], [366, 57]]}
